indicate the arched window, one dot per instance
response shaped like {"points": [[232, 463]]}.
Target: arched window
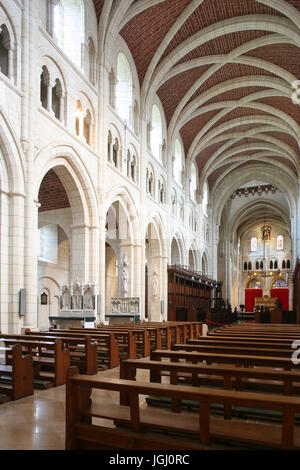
{"points": [[68, 28], [44, 84], [245, 266], [178, 162], [271, 265], [44, 298], [250, 266], [280, 242], [275, 264], [4, 50], [193, 183], [257, 265], [124, 89], [253, 244], [205, 198], [156, 133], [58, 23], [261, 265], [288, 264], [283, 264]]}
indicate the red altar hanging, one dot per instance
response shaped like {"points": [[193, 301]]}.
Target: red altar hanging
{"points": [[250, 295], [283, 297]]}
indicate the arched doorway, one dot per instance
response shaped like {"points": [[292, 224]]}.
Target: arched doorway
{"points": [[65, 238]]}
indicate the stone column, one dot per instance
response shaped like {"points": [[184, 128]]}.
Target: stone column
{"points": [[10, 64], [154, 288], [80, 253], [49, 98], [15, 278]]}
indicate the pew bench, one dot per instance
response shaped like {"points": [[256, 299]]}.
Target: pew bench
{"points": [[16, 379], [83, 352], [106, 345], [226, 376], [81, 410], [215, 358], [50, 360], [242, 350]]}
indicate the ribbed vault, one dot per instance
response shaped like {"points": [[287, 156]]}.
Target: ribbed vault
{"points": [[223, 70]]}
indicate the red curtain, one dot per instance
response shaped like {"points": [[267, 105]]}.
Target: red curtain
{"points": [[250, 295], [283, 297]]}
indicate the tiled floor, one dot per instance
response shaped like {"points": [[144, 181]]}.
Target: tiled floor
{"points": [[38, 422]]}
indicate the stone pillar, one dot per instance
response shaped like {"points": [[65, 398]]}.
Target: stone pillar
{"points": [[10, 64], [164, 296], [49, 98], [93, 277], [31, 254], [15, 276], [102, 273], [61, 108], [80, 253]]}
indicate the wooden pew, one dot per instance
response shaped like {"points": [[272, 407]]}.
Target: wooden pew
{"points": [[16, 378], [50, 360], [228, 376], [106, 345], [241, 349], [141, 338], [252, 342], [80, 410], [83, 352], [215, 358]]}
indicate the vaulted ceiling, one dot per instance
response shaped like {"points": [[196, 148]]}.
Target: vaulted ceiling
{"points": [[223, 70]]}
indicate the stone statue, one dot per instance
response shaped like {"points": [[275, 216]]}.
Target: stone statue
{"points": [[65, 298], [88, 297], [155, 282], [77, 296], [124, 276]]}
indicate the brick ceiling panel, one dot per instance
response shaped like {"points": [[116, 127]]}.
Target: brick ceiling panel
{"points": [[283, 55], [286, 139], [214, 11], [216, 174], [236, 94], [241, 128], [206, 154], [191, 129], [144, 33], [52, 194], [223, 44], [98, 4], [174, 89], [286, 162], [284, 104], [238, 113], [230, 72]]}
